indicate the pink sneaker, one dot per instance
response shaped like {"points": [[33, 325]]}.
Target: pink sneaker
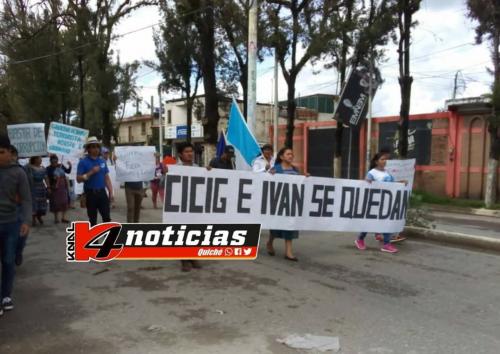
{"points": [[379, 237], [360, 244], [389, 248]]}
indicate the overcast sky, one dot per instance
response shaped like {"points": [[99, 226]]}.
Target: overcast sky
{"points": [[443, 43]]}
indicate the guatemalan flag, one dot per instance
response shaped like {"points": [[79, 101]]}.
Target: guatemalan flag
{"points": [[221, 144], [239, 136]]}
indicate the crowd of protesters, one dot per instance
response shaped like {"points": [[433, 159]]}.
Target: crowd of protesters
{"points": [[27, 191]]}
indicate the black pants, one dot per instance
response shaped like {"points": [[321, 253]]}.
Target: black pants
{"points": [[97, 200]]}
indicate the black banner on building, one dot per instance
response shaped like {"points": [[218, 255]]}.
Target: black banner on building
{"points": [[353, 103]]}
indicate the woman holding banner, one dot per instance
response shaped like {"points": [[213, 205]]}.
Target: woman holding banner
{"points": [[59, 196], [379, 174], [37, 174], [283, 165]]}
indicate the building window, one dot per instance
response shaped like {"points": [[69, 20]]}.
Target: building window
{"points": [[129, 133], [169, 116], [143, 128]]}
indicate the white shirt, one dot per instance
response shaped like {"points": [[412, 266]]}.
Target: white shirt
{"points": [[180, 163], [379, 176], [260, 163]]}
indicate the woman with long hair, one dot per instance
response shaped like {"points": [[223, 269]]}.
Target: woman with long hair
{"points": [[37, 174], [283, 165], [378, 173]]}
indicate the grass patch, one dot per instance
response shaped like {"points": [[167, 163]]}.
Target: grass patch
{"points": [[428, 198]]}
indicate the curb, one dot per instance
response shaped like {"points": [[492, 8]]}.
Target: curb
{"points": [[466, 211], [479, 242]]}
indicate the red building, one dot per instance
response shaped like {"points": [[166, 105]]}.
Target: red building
{"points": [[451, 148]]}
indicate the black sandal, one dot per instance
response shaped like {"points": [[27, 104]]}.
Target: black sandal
{"points": [[293, 259]]}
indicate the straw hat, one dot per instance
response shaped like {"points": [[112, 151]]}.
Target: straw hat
{"points": [[92, 140]]}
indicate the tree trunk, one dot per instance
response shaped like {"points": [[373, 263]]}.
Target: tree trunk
{"points": [[81, 91], [491, 179], [206, 28], [404, 114], [189, 121], [405, 80], [291, 109], [107, 129]]}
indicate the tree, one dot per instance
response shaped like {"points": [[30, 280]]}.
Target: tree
{"points": [[362, 30], [101, 22], [127, 89], [406, 9], [298, 26], [232, 18], [487, 15], [177, 48], [200, 13], [36, 71]]}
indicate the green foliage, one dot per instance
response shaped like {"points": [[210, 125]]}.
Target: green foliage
{"points": [[422, 198]]}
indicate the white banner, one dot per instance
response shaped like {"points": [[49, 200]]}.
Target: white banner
{"points": [[66, 139], [283, 202], [29, 139], [135, 163], [402, 170], [78, 187]]}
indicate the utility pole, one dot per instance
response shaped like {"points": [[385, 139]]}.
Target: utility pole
{"points": [[160, 123], [369, 118], [276, 104], [455, 85], [252, 66]]}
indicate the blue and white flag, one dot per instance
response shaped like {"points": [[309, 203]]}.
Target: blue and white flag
{"points": [[239, 136]]}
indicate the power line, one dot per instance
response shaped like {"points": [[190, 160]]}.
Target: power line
{"points": [[23, 61], [413, 59]]}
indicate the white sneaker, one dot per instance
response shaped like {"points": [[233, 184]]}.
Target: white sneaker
{"points": [[7, 304]]}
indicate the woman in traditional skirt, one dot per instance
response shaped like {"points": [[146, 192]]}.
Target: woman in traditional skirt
{"points": [[38, 179], [283, 165], [59, 196]]}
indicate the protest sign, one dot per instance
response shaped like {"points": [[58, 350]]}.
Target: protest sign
{"points": [[402, 170], [66, 139], [29, 139], [78, 188], [135, 163], [284, 202]]}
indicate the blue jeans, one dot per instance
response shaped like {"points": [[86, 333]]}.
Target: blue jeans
{"points": [[21, 243], [9, 234], [387, 237]]}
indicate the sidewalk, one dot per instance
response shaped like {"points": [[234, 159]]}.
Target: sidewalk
{"points": [[476, 228]]}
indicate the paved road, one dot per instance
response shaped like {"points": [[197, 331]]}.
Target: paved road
{"points": [[426, 299], [469, 224]]}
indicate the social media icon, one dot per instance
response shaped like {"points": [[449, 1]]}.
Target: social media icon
{"points": [[228, 252], [247, 251], [237, 251]]}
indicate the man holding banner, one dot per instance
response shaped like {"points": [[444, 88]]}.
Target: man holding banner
{"points": [[94, 174], [185, 153]]}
